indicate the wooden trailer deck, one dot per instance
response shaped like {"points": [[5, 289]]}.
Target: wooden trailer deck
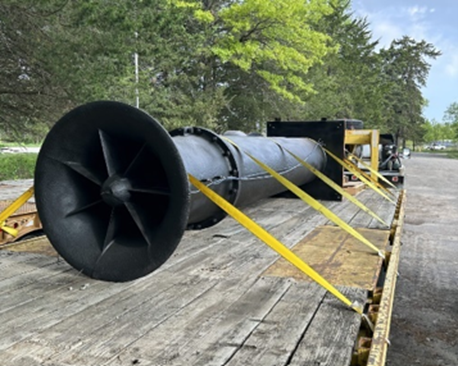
{"points": [[224, 298]]}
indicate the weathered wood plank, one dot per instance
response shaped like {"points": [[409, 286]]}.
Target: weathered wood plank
{"points": [[205, 263], [39, 245], [363, 219], [36, 293], [64, 342], [38, 274], [202, 307], [65, 303], [332, 334], [237, 276], [275, 339], [16, 264], [347, 210], [196, 242], [40, 286], [386, 212], [49, 309], [141, 318], [199, 263], [228, 319]]}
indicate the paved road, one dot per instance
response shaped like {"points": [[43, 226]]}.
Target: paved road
{"points": [[12, 189], [425, 320], [442, 155]]}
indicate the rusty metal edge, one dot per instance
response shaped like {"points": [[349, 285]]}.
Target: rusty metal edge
{"points": [[380, 339]]}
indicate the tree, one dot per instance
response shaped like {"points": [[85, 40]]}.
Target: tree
{"points": [[348, 83], [405, 69], [273, 38], [221, 64], [260, 53], [451, 116], [100, 38], [29, 96], [195, 56]]}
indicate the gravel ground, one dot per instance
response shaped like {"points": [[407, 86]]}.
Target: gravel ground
{"points": [[12, 189], [425, 317]]}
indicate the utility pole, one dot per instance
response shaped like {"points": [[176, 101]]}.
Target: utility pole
{"points": [[137, 96]]}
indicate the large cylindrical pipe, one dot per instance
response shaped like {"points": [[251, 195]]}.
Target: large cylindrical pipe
{"points": [[112, 191], [233, 174]]}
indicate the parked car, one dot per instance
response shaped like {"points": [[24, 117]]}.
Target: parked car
{"points": [[436, 147]]}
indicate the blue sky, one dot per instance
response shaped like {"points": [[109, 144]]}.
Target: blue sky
{"points": [[434, 21]]}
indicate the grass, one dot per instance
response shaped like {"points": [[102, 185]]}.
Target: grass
{"points": [[17, 166], [453, 154]]}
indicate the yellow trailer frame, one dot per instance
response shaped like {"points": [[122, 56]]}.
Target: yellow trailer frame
{"points": [[366, 137]]}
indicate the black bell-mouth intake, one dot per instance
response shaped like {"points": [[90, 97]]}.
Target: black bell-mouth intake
{"points": [[112, 191], [117, 191]]}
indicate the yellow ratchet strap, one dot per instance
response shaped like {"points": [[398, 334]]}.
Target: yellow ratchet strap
{"points": [[334, 185], [9, 230], [352, 169], [369, 178], [312, 202], [371, 170], [12, 208], [272, 242]]}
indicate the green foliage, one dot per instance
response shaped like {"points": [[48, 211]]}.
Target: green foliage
{"points": [[451, 114], [28, 93], [275, 39], [348, 85], [434, 131], [405, 73], [221, 64], [17, 166], [451, 117], [452, 154]]}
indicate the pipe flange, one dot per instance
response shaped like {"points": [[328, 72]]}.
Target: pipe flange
{"points": [[233, 169]]}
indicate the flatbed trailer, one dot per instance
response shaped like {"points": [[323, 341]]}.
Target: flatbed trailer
{"points": [[224, 297]]}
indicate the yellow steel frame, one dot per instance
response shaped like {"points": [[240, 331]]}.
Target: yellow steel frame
{"points": [[366, 137], [380, 338], [12, 208]]}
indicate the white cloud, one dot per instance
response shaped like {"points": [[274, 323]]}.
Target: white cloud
{"points": [[420, 31], [414, 10], [451, 69], [393, 22], [386, 31]]}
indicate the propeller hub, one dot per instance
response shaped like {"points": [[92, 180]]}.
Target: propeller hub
{"points": [[116, 190]]}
